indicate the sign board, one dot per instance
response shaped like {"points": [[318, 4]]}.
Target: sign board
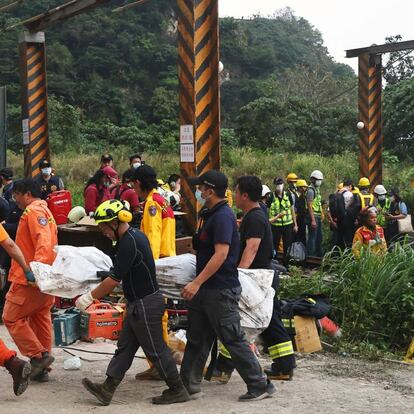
{"points": [[186, 134], [187, 153], [25, 128]]}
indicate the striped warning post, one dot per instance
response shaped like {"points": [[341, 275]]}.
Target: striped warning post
{"points": [[370, 113], [34, 101], [198, 56]]}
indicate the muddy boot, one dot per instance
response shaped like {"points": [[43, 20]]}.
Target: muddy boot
{"points": [[40, 364], [176, 393], [151, 374], [41, 377], [20, 371], [103, 392]]}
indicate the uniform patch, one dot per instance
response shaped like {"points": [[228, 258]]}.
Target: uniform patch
{"points": [[42, 221], [53, 188], [152, 211]]}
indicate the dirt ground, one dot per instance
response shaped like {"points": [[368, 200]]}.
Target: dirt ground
{"points": [[323, 383]]}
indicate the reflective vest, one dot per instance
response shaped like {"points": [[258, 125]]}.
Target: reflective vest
{"points": [[382, 210], [281, 205], [317, 201], [366, 199]]}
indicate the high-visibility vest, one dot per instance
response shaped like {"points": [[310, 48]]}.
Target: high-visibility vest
{"points": [[281, 205], [317, 201], [382, 210], [366, 199]]}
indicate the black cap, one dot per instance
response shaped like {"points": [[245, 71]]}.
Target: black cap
{"points": [[7, 173], [44, 163], [144, 171], [278, 180], [212, 178], [106, 157]]}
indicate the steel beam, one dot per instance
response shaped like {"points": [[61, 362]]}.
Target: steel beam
{"points": [[34, 101], [370, 113], [198, 55], [380, 49]]}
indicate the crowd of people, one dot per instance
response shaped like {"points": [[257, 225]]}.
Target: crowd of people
{"points": [[270, 221]]}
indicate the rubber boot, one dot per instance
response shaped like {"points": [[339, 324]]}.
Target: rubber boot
{"points": [[103, 392], [20, 372], [40, 364], [176, 393]]}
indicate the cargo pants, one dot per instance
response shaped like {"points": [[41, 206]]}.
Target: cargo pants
{"points": [[5, 353], [143, 328], [214, 313]]}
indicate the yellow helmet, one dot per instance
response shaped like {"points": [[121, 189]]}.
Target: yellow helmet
{"points": [[110, 210], [340, 186], [292, 177], [364, 182], [301, 183]]}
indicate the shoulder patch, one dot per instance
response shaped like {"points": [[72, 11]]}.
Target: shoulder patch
{"points": [[152, 210], [42, 221]]}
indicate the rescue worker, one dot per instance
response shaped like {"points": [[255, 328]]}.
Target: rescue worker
{"points": [[314, 217], [282, 217], [135, 161], [382, 203], [256, 253], [107, 161], [158, 224], [134, 267], [214, 294], [6, 181], [125, 192], [291, 180], [18, 369], [266, 192], [97, 189], [27, 310], [301, 210], [174, 187], [398, 210], [48, 182], [369, 236], [366, 199], [345, 215]]}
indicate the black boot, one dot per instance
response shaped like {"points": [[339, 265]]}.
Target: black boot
{"points": [[20, 371], [40, 364], [103, 392], [176, 393]]}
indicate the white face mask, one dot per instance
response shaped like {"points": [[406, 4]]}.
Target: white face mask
{"points": [[392, 199], [135, 165], [382, 197], [47, 171], [318, 183], [279, 188]]}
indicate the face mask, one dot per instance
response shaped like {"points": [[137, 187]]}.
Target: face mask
{"points": [[279, 188], [106, 184], [392, 199], [47, 171], [135, 165], [199, 198], [318, 183], [382, 197]]}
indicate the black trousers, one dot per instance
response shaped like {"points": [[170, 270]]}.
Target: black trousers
{"points": [[284, 233], [213, 314], [143, 327]]}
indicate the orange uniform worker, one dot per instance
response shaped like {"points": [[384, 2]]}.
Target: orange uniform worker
{"points": [[27, 310], [18, 369], [158, 224]]}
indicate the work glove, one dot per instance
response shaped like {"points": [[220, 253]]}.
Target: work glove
{"points": [[84, 301], [30, 278]]}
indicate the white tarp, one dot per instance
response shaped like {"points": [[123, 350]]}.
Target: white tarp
{"points": [[256, 302], [73, 272]]}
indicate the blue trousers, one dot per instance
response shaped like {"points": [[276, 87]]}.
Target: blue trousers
{"points": [[314, 241]]}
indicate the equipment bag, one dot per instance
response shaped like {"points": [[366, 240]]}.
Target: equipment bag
{"points": [[60, 204], [297, 252]]}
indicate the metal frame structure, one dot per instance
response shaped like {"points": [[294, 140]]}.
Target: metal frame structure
{"points": [[370, 106], [198, 50]]}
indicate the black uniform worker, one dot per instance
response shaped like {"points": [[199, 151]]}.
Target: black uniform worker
{"points": [[47, 181], [256, 253], [133, 266], [215, 292]]}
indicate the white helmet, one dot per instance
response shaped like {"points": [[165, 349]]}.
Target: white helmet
{"points": [[380, 190], [265, 190], [77, 213], [317, 175]]}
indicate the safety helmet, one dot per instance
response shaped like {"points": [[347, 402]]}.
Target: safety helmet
{"points": [[380, 190], [110, 210], [292, 177], [340, 186], [265, 190], [301, 183], [76, 214], [317, 175], [364, 182]]}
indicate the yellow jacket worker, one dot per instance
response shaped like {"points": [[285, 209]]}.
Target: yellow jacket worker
{"points": [[158, 222]]}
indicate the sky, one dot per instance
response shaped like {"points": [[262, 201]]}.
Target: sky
{"points": [[344, 24]]}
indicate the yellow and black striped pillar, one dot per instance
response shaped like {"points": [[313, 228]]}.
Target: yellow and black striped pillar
{"points": [[370, 113], [34, 101], [198, 55]]}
